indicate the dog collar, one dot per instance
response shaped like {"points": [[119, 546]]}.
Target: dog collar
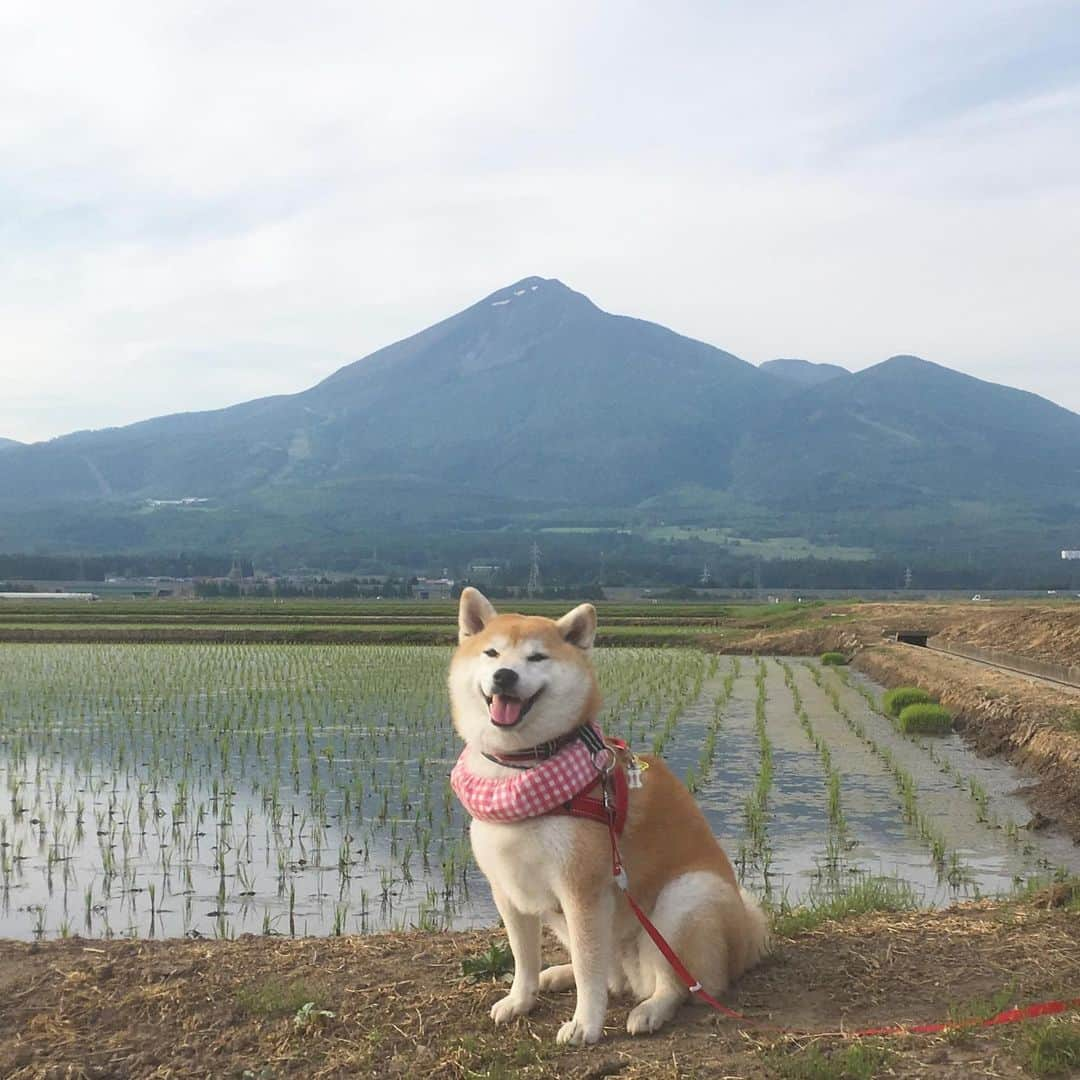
{"points": [[527, 759]]}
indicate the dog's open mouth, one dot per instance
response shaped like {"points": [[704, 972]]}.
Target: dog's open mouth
{"points": [[506, 710]]}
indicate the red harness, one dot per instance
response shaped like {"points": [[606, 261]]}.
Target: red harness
{"points": [[615, 796]]}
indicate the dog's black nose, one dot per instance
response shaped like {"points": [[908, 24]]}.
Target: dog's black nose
{"points": [[504, 679]]}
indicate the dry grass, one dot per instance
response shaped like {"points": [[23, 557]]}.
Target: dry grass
{"points": [[403, 1008]]}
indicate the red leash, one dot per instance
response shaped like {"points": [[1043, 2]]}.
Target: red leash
{"points": [[1007, 1016]]}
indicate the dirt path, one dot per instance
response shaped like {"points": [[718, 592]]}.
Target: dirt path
{"points": [[401, 1007]]}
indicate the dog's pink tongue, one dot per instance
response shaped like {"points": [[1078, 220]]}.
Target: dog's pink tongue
{"points": [[505, 710]]}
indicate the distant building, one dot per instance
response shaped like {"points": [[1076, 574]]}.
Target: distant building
{"points": [[433, 588], [483, 573], [1070, 554]]}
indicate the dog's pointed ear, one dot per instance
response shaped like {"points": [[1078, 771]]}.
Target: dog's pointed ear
{"points": [[474, 613], [578, 627]]}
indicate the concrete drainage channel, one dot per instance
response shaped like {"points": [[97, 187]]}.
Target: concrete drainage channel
{"points": [[1060, 674]]}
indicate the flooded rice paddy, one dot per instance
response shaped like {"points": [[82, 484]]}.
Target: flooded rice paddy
{"points": [[213, 790]]}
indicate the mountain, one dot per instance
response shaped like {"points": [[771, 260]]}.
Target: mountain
{"points": [[7, 443], [906, 432], [534, 407], [803, 372], [532, 394]]}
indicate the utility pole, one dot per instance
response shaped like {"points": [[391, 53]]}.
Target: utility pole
{"points": [[534, 572]]}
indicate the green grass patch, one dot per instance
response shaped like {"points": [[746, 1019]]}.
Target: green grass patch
{"points": [[870, 894], [274, 999], [861, 1060], [977, 1009], [496, 963], [925, 719], [895, 701], [1049, 1049], [835, 659]]}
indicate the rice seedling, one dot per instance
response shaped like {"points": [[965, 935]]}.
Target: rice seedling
{"points": [[896, 700], [947, 862], [213, 789], [925, 719]]}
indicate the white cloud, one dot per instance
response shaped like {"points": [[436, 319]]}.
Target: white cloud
{"points": [[201, 205]]}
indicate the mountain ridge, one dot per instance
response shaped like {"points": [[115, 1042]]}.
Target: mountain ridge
{"points": [[803, 372], [532, 405]]}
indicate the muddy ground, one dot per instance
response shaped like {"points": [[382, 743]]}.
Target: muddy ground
{"points": [[402, 1008]]}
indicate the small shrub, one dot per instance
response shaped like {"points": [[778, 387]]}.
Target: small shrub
{"points": [[496, 963], [836, 659], [895, 701], [925, 719], [310, 1016]]}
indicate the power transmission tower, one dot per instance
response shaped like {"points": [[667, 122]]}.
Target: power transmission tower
{"points": [[907, 578], [706, 575], [534, 572]]}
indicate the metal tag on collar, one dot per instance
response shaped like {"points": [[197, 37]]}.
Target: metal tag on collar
{"points": [[633, 773]]}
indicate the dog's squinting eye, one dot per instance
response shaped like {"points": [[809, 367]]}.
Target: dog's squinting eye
{"points": [[536, 657], [491, 652]]}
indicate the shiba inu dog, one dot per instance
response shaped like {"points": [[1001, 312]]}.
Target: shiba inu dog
{"points": [[522, 682]]}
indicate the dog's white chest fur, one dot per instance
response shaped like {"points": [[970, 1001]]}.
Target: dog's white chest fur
{"points": [[526, 860]]}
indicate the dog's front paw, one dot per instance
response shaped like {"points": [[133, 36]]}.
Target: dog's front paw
{"points": [[578, 1033], [512, 1006]]}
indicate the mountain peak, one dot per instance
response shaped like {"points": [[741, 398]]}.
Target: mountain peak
{"points": [[803, 372], [529, 290]]}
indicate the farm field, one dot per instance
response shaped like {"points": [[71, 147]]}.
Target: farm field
{"points": [[431, 622], [209, 790]]}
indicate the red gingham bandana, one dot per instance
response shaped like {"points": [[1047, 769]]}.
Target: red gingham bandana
{"points": [[532, 792]]}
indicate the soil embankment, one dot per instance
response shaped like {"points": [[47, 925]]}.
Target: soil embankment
{"points": [[397, 1005]]}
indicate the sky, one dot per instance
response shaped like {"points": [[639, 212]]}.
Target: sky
{"points": [[202, 203]]}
